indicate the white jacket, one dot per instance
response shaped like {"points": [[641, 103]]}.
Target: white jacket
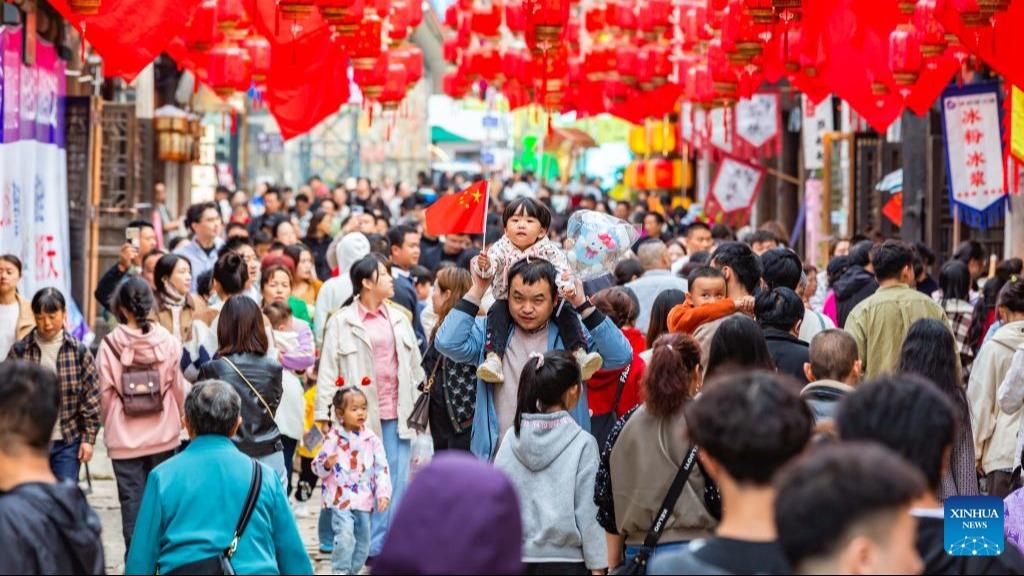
{"points": [[347, 353], [994, 419], [333, 294], [1011, 395]]}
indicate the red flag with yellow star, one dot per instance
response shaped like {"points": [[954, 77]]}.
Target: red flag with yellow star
{"points": [[460, 213]]}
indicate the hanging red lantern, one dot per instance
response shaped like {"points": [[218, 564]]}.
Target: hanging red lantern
{"points": [[622, 15], [201, 33], [723, 75], [258, 49], [451, 49], [931, 34], [788, 10], [464, 34], [334, 11], [364, 48], [398, 21], [226, 70], [295, 9], [699, 86], [654, 17], [514, 65], [85, 7], [486, 21], [455, 85], [230, 14], [414, 14], [599, 63], [695, 26], [904, 55], [596, 18], [383, 7], [412, 58], [395, 86], [451, 17], [761, 11], [790, 49], [653, 66], [626, 56], [546, 21], [515, 16], [484, 62], [371, 80], [740, 35], [906, 7]]}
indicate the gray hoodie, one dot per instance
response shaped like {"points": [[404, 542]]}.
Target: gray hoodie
{"points": [[553, 465]]}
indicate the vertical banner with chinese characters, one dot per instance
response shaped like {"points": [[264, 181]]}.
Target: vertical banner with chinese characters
{"points": [[817, 120], [33, 167], [759, 125], [733, 191], [974, 152]]}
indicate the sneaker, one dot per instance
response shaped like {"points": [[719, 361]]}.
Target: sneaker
{"points": [[302, 510], [589, 362], [490, 370]]}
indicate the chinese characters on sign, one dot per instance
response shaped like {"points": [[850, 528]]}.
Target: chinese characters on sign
{"points": [[758, 125], [974, 152], [817, 120], [734, 191]]}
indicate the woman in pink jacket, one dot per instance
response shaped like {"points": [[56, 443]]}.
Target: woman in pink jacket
{"points": [[142, 394]]}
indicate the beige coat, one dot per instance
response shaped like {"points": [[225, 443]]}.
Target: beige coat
{"points": [[26, 320], [347, 353], [995, 430]]}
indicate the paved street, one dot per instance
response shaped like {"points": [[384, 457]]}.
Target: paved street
{"points": [[104, 500]]}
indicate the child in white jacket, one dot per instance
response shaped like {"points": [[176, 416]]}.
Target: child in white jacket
{"points": [[553, 465]]}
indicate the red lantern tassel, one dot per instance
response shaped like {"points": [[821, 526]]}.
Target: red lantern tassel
{"points": [[234, 121]]}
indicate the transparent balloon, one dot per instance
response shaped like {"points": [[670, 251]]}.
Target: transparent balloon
{"points": [[596, 242]]}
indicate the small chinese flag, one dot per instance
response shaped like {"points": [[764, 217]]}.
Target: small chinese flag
{"points": [[461, 213]]}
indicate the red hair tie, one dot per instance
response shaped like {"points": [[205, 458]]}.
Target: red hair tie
{"points": [[366, 380]]}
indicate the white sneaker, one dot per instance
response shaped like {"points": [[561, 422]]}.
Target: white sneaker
{"points": [[589, 362], [302, 510], [490, 370]]}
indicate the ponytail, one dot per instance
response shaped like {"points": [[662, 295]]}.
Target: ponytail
{"points": [[544, 381], [366, 268], [133, 296]]}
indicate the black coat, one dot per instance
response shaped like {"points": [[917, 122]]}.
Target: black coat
{"points": [[258, 435], [49, 529], [789, 353], [823, 399], [405, 296], [853, 287], [319, 249]]}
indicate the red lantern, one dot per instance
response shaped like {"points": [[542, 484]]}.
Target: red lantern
{"points": [[626, 57], [230, 14], [455, 85], [622, 15], [515, 16], [365, 46], [514, 66], [395, 85], [451, 50], [484, 62], [695, 23], [761, 11], [334, 11], [699, 86], [398, 21], [596, 19], [790, 47], [414, 14], [371, 80], [740, 38], [295, 9], [655, 17], [930, 32], [412, 58], [224, 73], [201, 33], [451, 17], [723, 75], [904, 55], [653, 66], [486, 22], [383, 7], [545, 23], [85, 7], [258, 49], [599, 63]]}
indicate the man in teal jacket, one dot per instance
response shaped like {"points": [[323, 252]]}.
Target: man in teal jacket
{"points": [[532, 301], [192, 502]]}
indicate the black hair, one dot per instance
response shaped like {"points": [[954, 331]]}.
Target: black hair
{"points": [[379, 244], [366, 268], [529, 207], [989, 298], [890, 258], [698, 225], [259, 237], [295, 253], [738, 344], [1011, 296], [140, 224], [164, 268], [133, 296], [860, 254], [231, 272], [233, 244], [657, 216], [421, 275], [836, 267], [835, 493], [704, 272], [782, 268], [722, 233], [761, 237], [751, 423], [929, 350], [204, 283], [340, 399], [240, 328], [663, 304], [13, 261], [314, 223], [744, 263], [235, 226], [534, 271], [194, 214], [904, 413], [397, 234], [780, 308], [925, 252], [301, 197], [281, 221], [29, 404], [626, 270], [543, 383], [955, 281], [970, 250], [272, 192], [47, 301]]}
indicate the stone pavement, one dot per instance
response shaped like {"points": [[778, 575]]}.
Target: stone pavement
{"points": [[103, 499]]}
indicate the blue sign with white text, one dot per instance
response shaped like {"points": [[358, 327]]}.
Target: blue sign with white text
{"points": [[974, 526]]}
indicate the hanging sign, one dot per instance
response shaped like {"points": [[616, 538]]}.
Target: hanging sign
{"points": [[759, 125], [974, 152], [733, 191], [721, 129], [817, 120]]}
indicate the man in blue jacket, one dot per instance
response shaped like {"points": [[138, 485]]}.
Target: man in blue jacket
{"points": [[532, 301]]}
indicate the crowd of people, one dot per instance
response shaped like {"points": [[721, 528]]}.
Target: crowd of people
{"points": [[717, 405]]}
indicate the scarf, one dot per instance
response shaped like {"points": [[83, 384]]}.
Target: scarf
{"points": [[172, 298]]}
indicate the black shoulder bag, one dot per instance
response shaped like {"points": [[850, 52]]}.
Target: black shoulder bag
{"points": [[639, 564], [221, 563]]}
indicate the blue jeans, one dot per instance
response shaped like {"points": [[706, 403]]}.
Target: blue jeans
{"points": [[351, 540], [276, 462], [64, 460], [398, 452], [325, 531], [659, 549]]}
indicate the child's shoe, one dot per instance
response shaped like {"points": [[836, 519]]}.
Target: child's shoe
{"points": [[490, 370], [589, 362]]}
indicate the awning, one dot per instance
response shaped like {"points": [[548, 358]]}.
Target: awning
{"points": [[573, 137], [439, 135]]}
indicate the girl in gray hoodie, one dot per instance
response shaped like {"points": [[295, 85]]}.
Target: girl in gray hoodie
{"points": [[552, 463]]}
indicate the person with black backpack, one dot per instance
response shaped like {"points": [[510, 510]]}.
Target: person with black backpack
{"points": [[78, 405]]}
